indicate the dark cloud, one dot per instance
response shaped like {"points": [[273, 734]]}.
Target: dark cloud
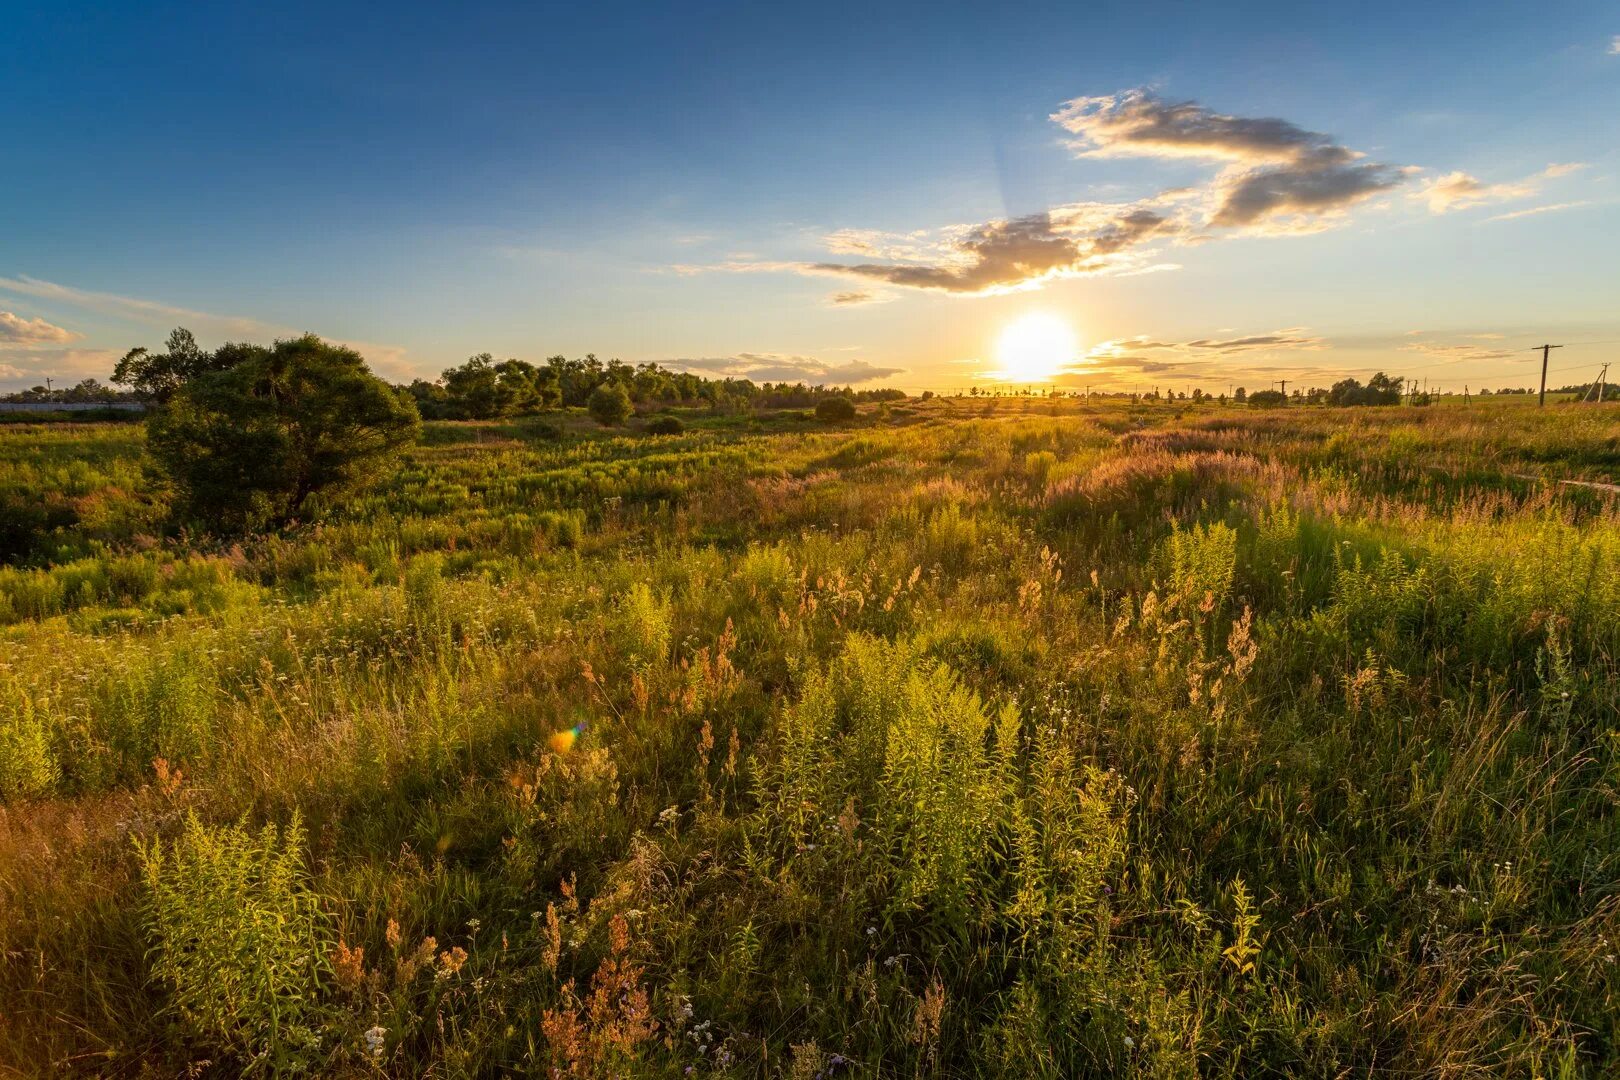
{"points": [[1279, 175], [1017, 253]]}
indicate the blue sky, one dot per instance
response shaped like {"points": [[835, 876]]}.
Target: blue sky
{"points": [[1242, 191]]}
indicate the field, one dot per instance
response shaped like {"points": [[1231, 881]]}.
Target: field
{"points": [[1024, 739]]}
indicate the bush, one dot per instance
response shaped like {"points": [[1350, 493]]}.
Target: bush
{"points": [[1267, 399], [609, 404], [665, 425], [835, 409], [237, 936]]}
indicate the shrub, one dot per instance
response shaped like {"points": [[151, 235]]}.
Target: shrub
{"points": [[237, 936], [835, 409], [665, 425], [609, 404], [27, 765]]}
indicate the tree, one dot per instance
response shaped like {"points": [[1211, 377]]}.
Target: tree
{"points": [[609, 404], [1267, 399], [475, 389], [835, 409], [1381, 389], [158, 376], [248, 446]]}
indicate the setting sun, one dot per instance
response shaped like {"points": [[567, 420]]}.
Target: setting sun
{"points": [[1034, 348]]}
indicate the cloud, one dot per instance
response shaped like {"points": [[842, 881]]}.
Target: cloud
{"points": [[1291, 338], [136, 310], [1276, 178], [1614, 45], [387, 360], [1539, 210], [1007, 254], [1279, 177], [779, 367], [849, 299], [16, 330], [63, 366], [1447, 353], [1461, 191]]}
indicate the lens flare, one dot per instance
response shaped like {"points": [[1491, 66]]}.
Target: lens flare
{"points": [[563, 741]]}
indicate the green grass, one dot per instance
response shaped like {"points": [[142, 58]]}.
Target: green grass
{"points": [[1023, 738]]}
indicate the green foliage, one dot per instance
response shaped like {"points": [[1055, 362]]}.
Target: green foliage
{"points": [[1381, 389], [1079, 741], [610, 404], [835, 410], [239, 940], [27, 763], [665, 425], [249, 446]]}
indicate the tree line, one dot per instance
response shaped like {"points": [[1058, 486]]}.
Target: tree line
{"points": [[484, 388]]}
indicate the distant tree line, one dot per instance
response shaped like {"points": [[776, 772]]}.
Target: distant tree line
{"points": [[484, 388], [84, 392]]}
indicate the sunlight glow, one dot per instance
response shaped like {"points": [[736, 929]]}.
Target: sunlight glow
{"points": [[1035, 347]]}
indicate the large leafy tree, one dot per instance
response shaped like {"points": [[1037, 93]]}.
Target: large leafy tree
{"points": [[248, 445]]}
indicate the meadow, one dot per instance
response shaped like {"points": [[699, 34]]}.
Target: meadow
{"points": [[1022, 738]]}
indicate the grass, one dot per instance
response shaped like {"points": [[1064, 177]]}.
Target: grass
{"points": [[1015, 738]]}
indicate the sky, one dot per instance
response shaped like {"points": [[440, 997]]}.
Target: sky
{"points": [[928, 196]]}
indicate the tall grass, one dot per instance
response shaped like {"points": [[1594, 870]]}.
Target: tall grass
{"points": [[1013, 739]]}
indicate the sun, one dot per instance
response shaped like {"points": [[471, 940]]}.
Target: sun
{"points": [[1034, 347]]}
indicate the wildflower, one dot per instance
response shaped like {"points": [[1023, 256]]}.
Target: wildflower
{"points": [[1130, 1043], [375, 1038]]}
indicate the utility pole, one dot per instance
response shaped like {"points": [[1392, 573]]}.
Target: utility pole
{"points": [[1545, 349], [1601, 386], [47, 384]]}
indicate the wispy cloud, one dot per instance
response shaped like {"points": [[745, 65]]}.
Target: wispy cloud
{"points": [[386, 360], [1210, 358], [1614, 45], [851, 299], [1290, 339], [15, 330], [150, 312], [1445, 352], [1533, 210], [1461, 191], [783, 367]]}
